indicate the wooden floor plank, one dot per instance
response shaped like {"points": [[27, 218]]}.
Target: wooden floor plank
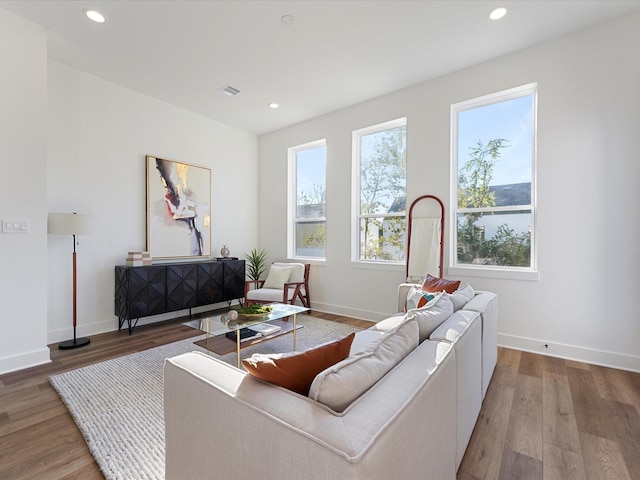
{"points": [[631, 384], [531, 364], [507, 366], [562, 464], [588, 406], [554, 365], [483, 457], [579, 365], [558, 418], [603, 459], [516, 466], [524, 433], [626, 421], [465, 476], [609, 385]]}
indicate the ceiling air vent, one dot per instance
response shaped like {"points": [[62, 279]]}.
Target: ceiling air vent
{"points": [[229, 90]]}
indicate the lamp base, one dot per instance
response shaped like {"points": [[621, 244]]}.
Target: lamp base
{"points": [[75, 343]]}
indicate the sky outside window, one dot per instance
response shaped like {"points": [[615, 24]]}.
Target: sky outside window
{"points": [[511, 120], [310, 170]]}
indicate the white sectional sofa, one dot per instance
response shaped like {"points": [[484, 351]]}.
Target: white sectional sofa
{"points": [[414, 421]]}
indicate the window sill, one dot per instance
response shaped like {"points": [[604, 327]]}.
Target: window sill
{"points": [[394, 266], [497, 272], [309, 260]]}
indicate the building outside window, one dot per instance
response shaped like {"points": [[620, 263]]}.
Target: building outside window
{"points": [[493, 181], [379, 192], [307, 200]]}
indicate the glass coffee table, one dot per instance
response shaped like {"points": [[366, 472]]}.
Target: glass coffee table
{"points": [[219, 328]]}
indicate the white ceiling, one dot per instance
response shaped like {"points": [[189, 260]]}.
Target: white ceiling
{"points": [[335, 54]]}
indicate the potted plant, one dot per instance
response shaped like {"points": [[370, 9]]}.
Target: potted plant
{"points": [[256, 263]]}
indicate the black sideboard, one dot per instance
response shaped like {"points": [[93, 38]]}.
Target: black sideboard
{"points": [[154, 289]]}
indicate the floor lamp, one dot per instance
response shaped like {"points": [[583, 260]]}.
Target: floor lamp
{"points": [[71, 224]]}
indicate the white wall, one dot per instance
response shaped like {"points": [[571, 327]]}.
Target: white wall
{"points": [[23, 260], [583, 305], [99, 134]]}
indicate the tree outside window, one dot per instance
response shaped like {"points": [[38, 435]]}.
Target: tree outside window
{"points": [[380, 167]]}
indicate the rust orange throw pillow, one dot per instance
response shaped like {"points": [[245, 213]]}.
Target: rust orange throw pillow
{"points": [[296, 370], [435, 284]]}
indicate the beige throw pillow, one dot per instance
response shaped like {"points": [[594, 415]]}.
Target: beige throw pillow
{"points": [[433, 315], [461, 296], [277, 277], [339, 385]]}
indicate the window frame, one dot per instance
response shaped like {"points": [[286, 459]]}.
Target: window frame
{"points": [[493, 271], [292, 199], [356, 216]]}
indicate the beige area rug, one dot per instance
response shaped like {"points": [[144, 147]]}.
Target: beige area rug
{"points": [[118, 404]]}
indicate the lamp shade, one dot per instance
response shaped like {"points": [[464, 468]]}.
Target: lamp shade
{"points": [[69, 224]]}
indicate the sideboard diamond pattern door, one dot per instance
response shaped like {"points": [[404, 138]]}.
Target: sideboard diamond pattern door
{"points": [[182, 286]]}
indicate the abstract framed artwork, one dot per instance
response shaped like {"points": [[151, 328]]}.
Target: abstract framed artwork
{"points": [[178, 209]]}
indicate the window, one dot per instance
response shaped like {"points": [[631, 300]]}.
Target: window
{"points": [[379, 173], [307, 200], [493, 174]]}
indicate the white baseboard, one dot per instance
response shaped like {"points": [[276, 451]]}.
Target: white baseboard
{"points": [[571, 352], [348, 312], [24, 360]]}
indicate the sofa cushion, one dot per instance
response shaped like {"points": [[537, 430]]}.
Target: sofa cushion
{"points": [[461, 296], [296, 370], [277, 277], [435, 284], [418, 298], [433, 315], [339, 385]]}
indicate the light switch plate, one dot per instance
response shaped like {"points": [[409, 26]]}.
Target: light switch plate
{"points": [[15, 226]]}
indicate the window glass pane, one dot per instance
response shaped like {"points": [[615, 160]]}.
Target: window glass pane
{"points": [[307, 229], [495, 154], [383, 171], [498, 238], [382, 238], [310, 239], [310, 183]]}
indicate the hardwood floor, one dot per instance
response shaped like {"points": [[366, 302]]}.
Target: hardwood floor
{"points": [[548, 418], [542, 418]]}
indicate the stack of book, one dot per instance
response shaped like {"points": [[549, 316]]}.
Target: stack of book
{"points": [[139, 259]]}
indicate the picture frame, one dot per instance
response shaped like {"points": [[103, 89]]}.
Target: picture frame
{"points": [[178, 209]]}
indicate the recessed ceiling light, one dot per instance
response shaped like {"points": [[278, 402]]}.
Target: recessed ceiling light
{"points": [[497, 13], [94, 15], [273, 105]]}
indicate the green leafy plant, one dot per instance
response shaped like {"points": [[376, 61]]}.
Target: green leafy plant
{"points": [[255, 309], [256, 263]]}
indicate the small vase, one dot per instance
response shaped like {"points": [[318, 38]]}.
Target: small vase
{"points": [[224, 251]]}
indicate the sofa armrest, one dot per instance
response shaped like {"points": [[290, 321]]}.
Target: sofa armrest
{"points": [[486, 303], [252, 284]]}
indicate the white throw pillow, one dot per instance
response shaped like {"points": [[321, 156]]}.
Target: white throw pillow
{"points": [[461, 296], [433, 315], [277, 277], [339, 385]]}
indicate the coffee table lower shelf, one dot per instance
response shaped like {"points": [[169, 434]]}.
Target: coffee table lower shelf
{"points": [[222, 345]]}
